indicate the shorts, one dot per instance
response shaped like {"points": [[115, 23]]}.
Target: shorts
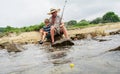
{"points": [[48, 36]]}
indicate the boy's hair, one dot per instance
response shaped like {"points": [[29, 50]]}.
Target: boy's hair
{"points": [[46, 21]]}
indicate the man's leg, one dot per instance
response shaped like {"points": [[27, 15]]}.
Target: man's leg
{"points": [[52, 32], [64, 30]]}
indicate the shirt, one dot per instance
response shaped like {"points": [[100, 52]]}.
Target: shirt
{"points": [[46, 28], [56, 22]]}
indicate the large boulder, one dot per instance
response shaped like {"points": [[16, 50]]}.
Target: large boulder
{"points": [[58, 54], [60, 61], [115, 32], [11, 47], [101, 40], [63, 42], [115, 49]]}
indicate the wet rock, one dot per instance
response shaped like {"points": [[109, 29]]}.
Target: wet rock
{"points": [[101, 40], [1, 46], [63, 42], [80, 36], [11, 47], [58, 54], [73, 38], [60, 61], [51, 49], [115, 32], [115, 49], [83, 36], [93, 34], [26, 42]]}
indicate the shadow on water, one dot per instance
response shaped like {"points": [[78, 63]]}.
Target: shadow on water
{"points": [[93, 56]]}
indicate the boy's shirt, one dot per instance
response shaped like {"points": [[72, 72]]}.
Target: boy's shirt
{"points": [[46, 28]]}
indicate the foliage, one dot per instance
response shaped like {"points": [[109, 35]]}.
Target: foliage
{"points": [[96, 21], [83, 23], [2, 29], [72, 22], [23, 29], [110, 17]]}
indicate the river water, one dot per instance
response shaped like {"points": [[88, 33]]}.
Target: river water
{"points": [[89, 57]]}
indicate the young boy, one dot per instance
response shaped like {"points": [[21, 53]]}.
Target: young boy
{"points": [[45, 31]]}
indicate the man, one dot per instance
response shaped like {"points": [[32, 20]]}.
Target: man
{"points": [[57, 26]]}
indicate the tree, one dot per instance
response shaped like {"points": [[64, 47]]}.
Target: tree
{"points": [[84, 22], [8, 29], [72, 22], [96, 21], [2, 29], [110, 17]]}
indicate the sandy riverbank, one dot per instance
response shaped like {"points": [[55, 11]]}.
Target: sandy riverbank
{"points": [[33, 37]]}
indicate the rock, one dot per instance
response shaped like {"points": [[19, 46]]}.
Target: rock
{"points": [[58, 54], [101, 40], [60, 61], [80, 36], [93, 34], [63, 42], [11, 47], [116, 49], [73, 38], [114, 32], [51, 49]]}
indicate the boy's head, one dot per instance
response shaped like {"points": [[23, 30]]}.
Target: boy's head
{"points": [[46, 21]]}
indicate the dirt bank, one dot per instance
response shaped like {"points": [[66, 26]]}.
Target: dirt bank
{"points": [[33, 37]]}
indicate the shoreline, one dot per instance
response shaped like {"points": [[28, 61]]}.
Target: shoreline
{"points": [[34, 37]]}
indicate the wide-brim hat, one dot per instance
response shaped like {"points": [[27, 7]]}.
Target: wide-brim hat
{"points": [[52, 10]]}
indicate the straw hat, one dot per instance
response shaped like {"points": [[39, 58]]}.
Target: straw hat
{"points": [[52, 10]]}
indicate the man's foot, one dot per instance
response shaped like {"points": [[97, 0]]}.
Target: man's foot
{"points": [[52, 43], [40, 42]]}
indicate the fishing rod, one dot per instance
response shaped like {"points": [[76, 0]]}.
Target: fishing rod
{"points": [[58, 28], [63, 11]]}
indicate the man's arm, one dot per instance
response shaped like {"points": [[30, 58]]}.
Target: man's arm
{"points": [[62, 24]]}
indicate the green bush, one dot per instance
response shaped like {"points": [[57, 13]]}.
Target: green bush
{"points": [[83, 23], [72, 22], [96, 21], [110, 17], [2, 29], [23, 29]]}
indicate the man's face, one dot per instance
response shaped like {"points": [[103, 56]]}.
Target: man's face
{"points": [[54, 14]]}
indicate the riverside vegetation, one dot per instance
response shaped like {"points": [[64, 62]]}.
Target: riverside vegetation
{"points": [[76, 30], [109, 17]]}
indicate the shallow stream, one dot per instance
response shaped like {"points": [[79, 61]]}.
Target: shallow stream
{"points": [[89, 57]]}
